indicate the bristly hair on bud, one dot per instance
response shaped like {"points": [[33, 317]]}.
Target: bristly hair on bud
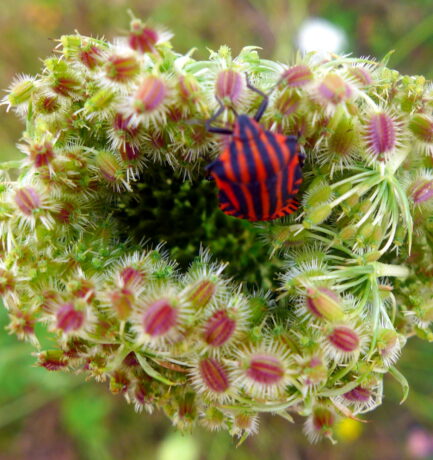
{"points": [[321, 303], [149, 101], [382, 135], [225, 323], [421, 126], [20, 93], [297, 76], [363, 398], [244, 423], [229, 85], [344, 342], [332, 91], [159, 321], [263, 371]]}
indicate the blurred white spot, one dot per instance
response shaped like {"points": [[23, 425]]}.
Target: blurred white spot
{"points": [[317, 34]]}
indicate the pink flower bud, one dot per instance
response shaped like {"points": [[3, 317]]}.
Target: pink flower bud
{"points": [[361, 75], [47, 104], [159, 318], [229, 84], [324, 303], [219, 328], [28, 200], [131, 276], [265, 369], [65, 85], [129, 152], [122, 69], [344, 339], [320, 423], [214, 375], [122, 302], [150, 94], [41, 154], [188, 88], [297, 76], [69, 319], [90, 56], [380, 133], [421, 191], [358, 394], [142, 38], [202, 293], [333, 89], [84, 289]]}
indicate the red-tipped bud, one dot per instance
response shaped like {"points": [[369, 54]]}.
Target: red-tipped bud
{"points": [[188, 88], [288, 103], [159, 318], [229, 84], [68, 318], [41, 154], [214, 375], [129, 152], [52, 360], [150, 94], [7, 281], [201, 293], [358, 394], [130, 276], [109, 166], [28, 200], [324, 303], [83, 289], [380, 133], [320, 423], [361, 75], [122, 69], [421, 191], [333, 89], [47, 105], [124, 128], [422, 127], [265, 369], [142, 38], [65, 212], [65, 85], [219, 328], [297, 76], [90, 56], [344, 339], [122, 302]]}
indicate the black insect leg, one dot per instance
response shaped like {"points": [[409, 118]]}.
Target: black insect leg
{"points": [[217, 129], [263, 105]]}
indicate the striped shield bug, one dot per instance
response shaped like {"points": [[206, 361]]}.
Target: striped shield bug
{"points": [[259, 173]]}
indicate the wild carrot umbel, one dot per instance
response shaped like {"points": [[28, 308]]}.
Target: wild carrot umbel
{"points": [[355, 260]]}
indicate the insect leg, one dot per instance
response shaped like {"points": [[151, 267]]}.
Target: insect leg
{"points": [[263, 105], [216, 129]]}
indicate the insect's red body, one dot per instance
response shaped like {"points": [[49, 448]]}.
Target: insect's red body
{"points": [[258, 174]]}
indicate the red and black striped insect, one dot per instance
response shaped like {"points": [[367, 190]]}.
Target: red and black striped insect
{"points": [[259, 173]]}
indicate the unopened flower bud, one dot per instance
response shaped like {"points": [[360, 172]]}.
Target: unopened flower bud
{"points": [[317, 215], [344, 339], [142, 38], [320, 423], [421, 191], [287, 103], [421, 126], [150, 94], [333, 89], [201, 293], [297, 76], [68, 318], [380, 133], [324, 303], [28, 200], [122, 302], [229, 84], [358, 394], [214, 375], [122, 69], [7, 281], [159, 318], [219, 329], [41, 154], [52, 360], [361, 75]]}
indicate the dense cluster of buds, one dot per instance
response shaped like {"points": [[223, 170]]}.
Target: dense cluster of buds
{"points": [[356, 259]]}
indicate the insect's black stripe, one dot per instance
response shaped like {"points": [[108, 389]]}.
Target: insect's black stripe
{"points": [[234, 160], [255, 191], [264, 153], [283, 190], [271, 185], [271, 139], [249, 158], [237, 191]]}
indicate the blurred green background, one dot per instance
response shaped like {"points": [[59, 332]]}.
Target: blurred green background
{"points": [[46, 416]]}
